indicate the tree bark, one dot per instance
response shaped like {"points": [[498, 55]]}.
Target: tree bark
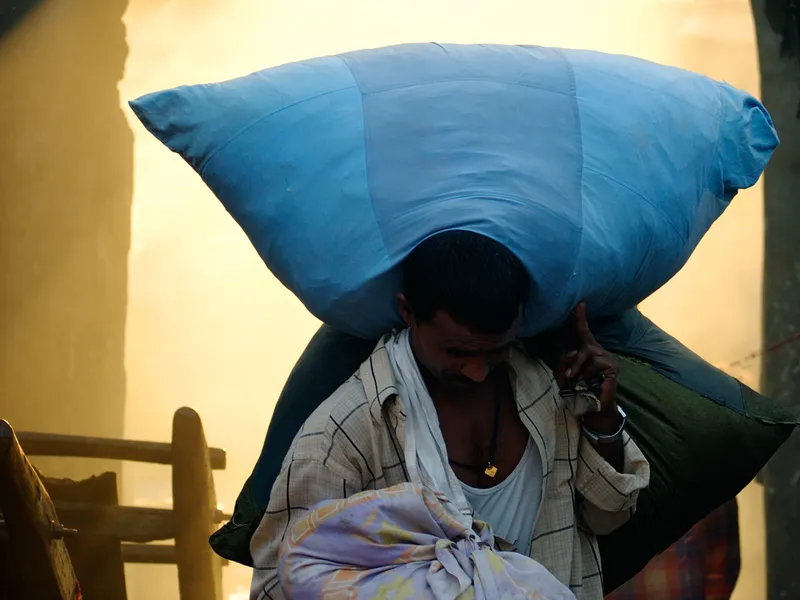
{"points": [[780, 90]]}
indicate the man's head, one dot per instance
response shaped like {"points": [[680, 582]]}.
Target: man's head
{"points": [[463, 296]]}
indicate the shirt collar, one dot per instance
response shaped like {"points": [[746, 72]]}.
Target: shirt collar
{"points": [[377, 374], [377, 377]]}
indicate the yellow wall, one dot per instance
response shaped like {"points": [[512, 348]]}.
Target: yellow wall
{"points": [[66, 176]]}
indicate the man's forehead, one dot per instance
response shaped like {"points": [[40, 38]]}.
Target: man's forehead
{"points": [[477, 350], [453, 336]]}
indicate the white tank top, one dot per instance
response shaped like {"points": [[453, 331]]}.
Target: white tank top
{"points": [[511, 506]]}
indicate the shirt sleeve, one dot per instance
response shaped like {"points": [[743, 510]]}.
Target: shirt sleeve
{"points": [[300, 485], [609, 496]]}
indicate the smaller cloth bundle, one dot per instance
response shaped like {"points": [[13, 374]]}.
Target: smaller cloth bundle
{"points": [[401, 543]]}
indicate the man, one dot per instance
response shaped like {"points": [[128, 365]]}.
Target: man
{"points": [[547, 473]]}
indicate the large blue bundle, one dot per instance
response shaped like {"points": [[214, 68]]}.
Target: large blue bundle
{"points": [[601, 172]]}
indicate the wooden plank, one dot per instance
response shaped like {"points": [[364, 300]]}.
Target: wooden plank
{"points": [[39, 567], [50, 444], [194, 503], [124, 523], [97, 560], [154, 554]]}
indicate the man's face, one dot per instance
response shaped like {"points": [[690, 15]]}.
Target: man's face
{"points": [[454, 355]]}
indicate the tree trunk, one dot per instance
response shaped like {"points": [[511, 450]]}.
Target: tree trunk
{"points": [[780, 89]]}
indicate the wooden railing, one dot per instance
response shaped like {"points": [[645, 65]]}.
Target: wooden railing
{"points": [[95, 517], [50, 444]]}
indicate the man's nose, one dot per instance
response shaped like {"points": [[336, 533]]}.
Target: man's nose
{"points": [[476, 370]]}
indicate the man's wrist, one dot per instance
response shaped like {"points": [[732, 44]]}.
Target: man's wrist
{"points": [[606, 426], [605, 421]]}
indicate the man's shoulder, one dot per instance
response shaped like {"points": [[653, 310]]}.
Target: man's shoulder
{"points": [[348, 402], [529, 365], [535, 381], [342, 427], [351, 400]]}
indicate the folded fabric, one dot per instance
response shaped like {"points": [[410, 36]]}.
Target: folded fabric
{"points": [[425, 449], [401, 543]]}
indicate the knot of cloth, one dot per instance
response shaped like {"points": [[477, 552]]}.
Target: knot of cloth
{"points": [[402, 543]]}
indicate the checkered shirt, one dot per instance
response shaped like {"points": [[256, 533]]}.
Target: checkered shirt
{"points": [[354, 442]]}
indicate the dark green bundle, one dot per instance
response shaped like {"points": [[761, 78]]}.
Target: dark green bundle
{"points": [[701, 455], [705, 434]]}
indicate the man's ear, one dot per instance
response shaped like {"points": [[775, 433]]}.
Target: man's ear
{"points": [[405, 309]]}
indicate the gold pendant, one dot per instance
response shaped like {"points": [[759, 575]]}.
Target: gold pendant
{"points": [[491, 470]]}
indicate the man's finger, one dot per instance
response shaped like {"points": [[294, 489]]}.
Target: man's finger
{"points": [[575, 362], [608, 392], [602, 360], [588, 364], [559, 371], [582, 323], [589, 369], [601, 365]]}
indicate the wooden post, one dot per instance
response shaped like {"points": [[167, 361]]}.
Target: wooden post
{"points": [[37, 565], [776, 26], [96, 559], [195, 506]]}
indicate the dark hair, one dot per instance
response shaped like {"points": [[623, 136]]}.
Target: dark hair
{"points": [[480, 283]]}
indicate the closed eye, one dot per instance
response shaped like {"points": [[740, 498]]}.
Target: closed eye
{"points": [[485, 353]]}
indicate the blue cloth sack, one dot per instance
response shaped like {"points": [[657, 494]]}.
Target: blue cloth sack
{"points": [[600, 172]]}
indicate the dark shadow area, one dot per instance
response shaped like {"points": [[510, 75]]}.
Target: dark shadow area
{"points": [[66, 187], [12, 12], [778, 35]]}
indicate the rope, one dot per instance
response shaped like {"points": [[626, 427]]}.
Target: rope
{"points": [[764, 351]]}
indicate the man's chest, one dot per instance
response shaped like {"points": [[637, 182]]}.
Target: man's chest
{"points": [[484, 447], [486, 435]]}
